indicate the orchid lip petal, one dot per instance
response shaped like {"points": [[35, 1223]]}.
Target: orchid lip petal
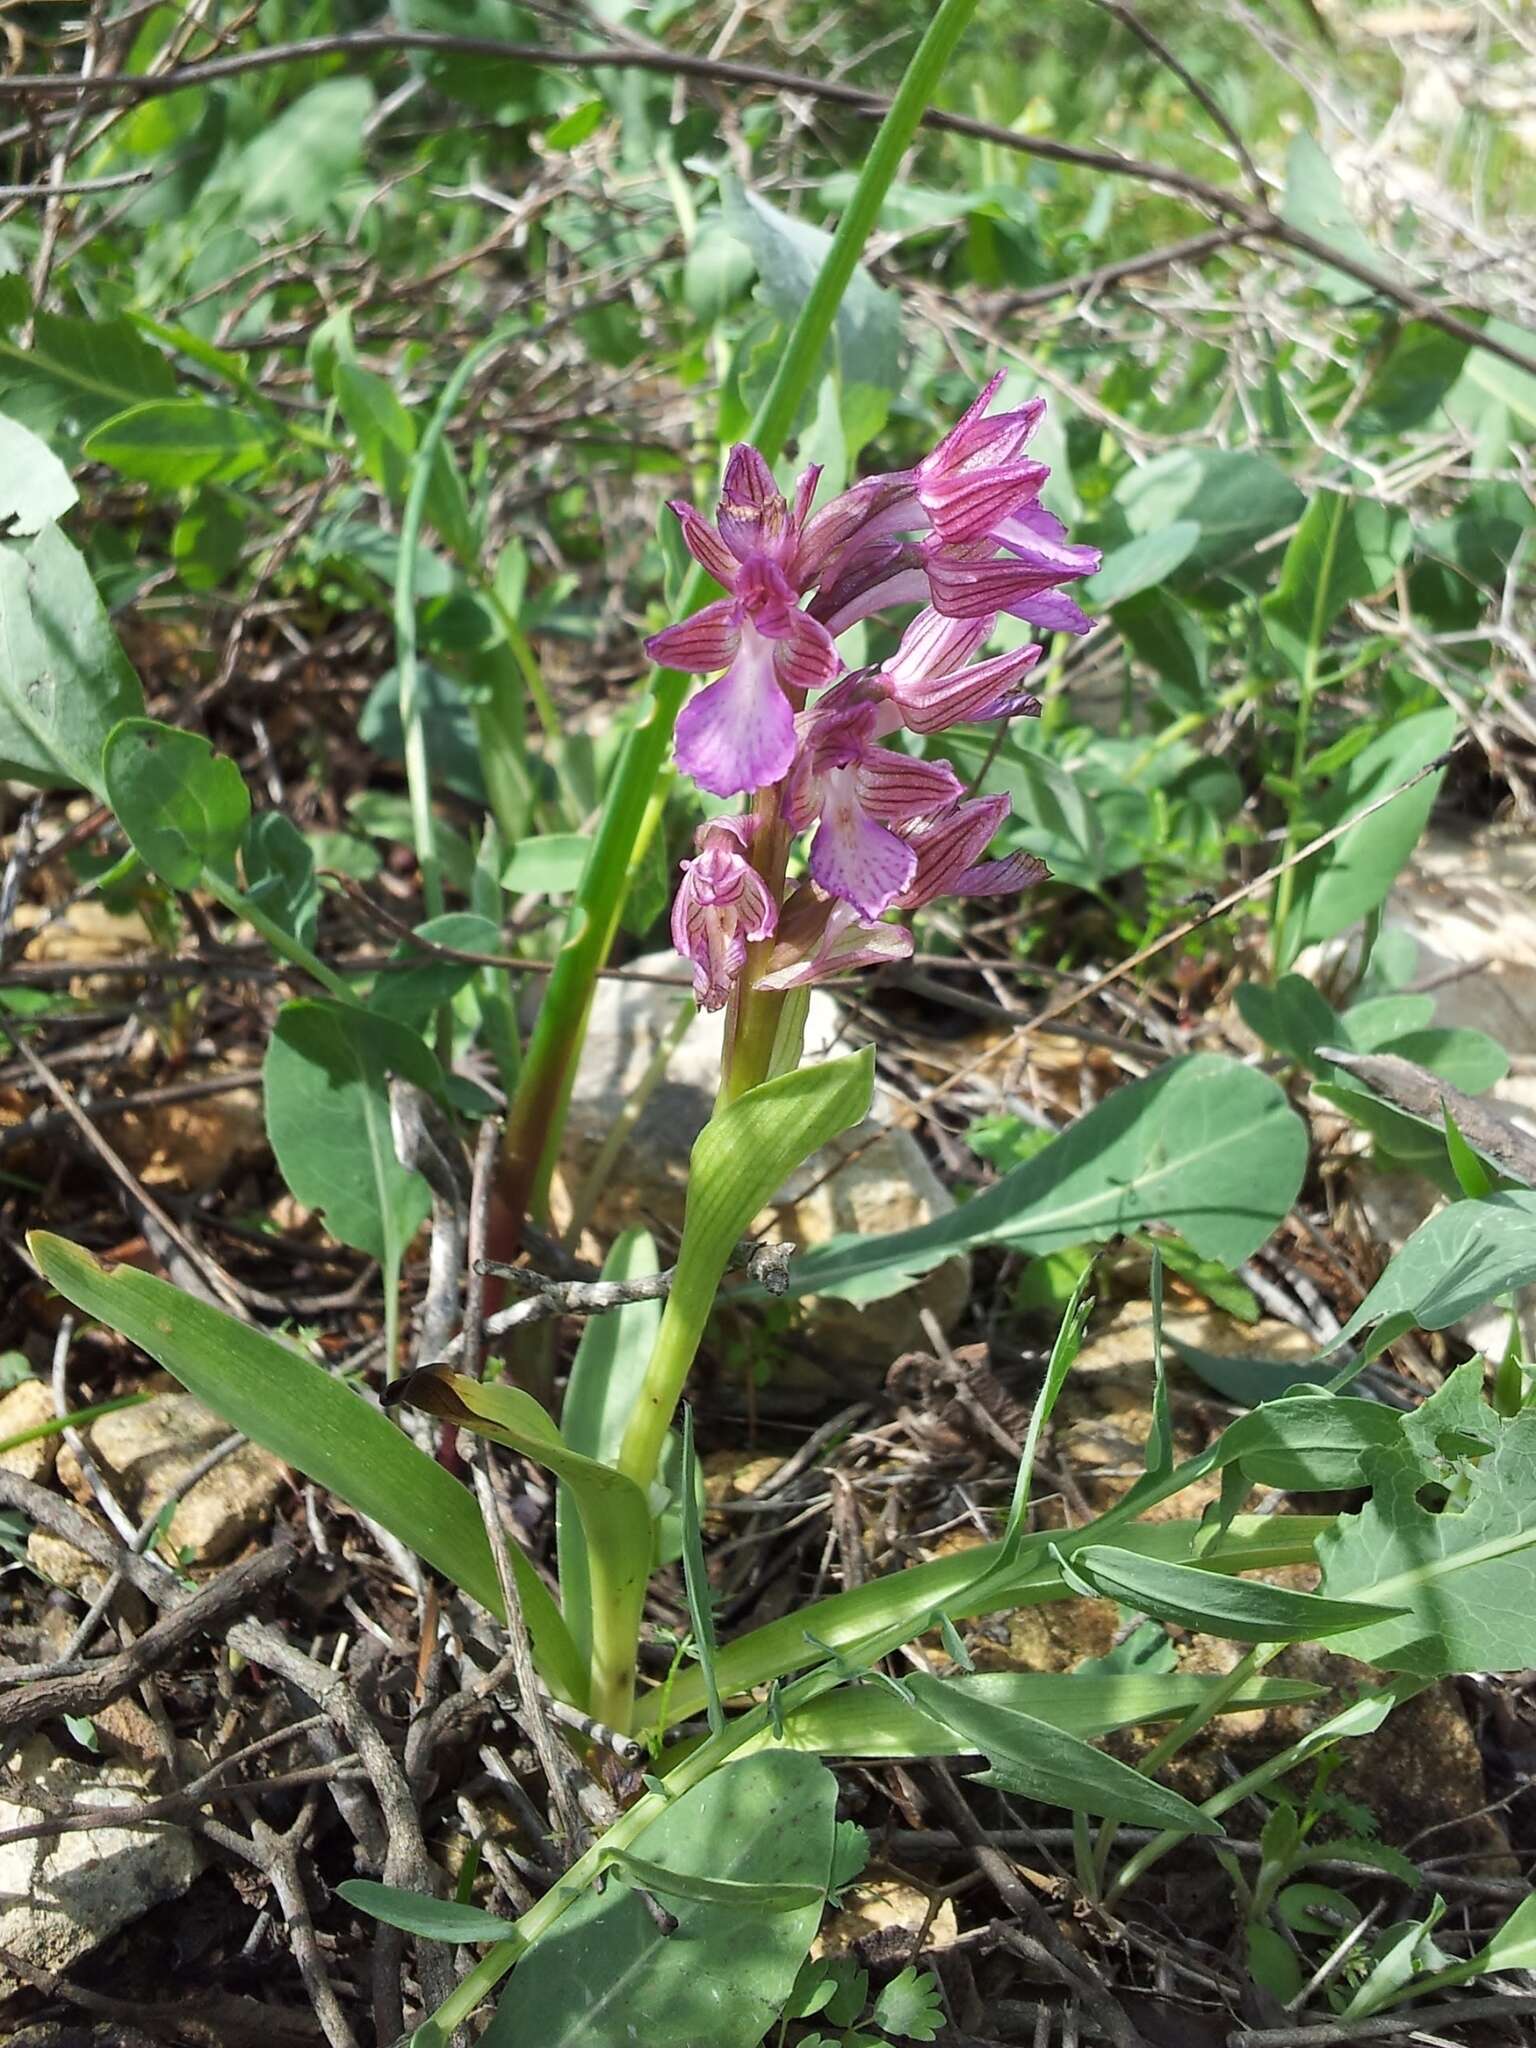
{"points": [[855, 857], [739, 733]]}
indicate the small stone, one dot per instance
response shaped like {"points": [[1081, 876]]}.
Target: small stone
{"points": [[145, 1454], [61, 1564], [63, 1895], [26, 1405]]}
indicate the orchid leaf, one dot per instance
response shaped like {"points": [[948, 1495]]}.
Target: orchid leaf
{"points": [[1237, 1609], [283, 1401]]}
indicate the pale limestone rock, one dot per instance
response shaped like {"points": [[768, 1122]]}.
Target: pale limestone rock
{"points": [[61, 1896], [26, 1405], [146, 1453]]}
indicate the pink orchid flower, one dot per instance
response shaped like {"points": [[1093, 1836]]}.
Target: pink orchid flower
{"points": [[722, 904], [854, 790]]}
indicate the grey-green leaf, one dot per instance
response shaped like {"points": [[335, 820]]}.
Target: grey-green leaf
{"points": [[326, 1076], [183, 807], [176, 442], [1205, 1145], [1037, 1761], [1242, 1610], [64, 679], [34, 484], [419, 1913]]}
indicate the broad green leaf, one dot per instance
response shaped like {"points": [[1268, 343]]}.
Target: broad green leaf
{"points": [[1449, 1539], [1315, 201], [417, 982], [1033, 1760], [716, 271], [1310, 1443], [615, 1515], [1236, 497], [34, 484], [574, 128], [1402, 1958], [1413, 383], [1458, 1261], [742, 1893], [293, 170], [1510, 385], [1205, 1145], [1239, 1609], [606, 1377], [1171, 641], [871, 1721], [279, 867], [749, 1149], [64, 679], [1142, 564], [80, 370], [962, 1585], [789, 254], [1293, 1018], [550, 866], [417, 1913], [184, 807], [606, 1977], [176, 442], [1354, 874], [326, 1082], [1344, 548]]}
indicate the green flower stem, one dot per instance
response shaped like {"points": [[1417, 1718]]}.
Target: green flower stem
{"points": [[533, 1122], [683, 1323]]}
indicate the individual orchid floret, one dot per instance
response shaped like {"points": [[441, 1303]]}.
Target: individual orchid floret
{"points": [[820, 935], [722, 905], [946, 848], [739, 733], [976, 476], [858, 790], [932, 682]]}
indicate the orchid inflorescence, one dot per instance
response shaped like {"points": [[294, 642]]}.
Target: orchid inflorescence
{"points": [[963, 535]]}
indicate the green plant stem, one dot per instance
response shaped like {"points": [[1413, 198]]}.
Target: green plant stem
{"points": [[534, 1117], [1218, 1804], [283, 944], [1182, 1732]]}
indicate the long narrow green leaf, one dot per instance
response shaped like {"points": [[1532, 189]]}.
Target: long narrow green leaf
{"points": [[701, 1611], [1037, 1761], [1238, 1609], [282, 1400], [965, 1584]]}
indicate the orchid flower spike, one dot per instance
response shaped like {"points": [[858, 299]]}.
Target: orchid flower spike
{"points": [[963, 537]]}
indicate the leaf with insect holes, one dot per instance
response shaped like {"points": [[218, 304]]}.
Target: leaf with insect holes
{"points": [[1448, 1536], [184, 807]]}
